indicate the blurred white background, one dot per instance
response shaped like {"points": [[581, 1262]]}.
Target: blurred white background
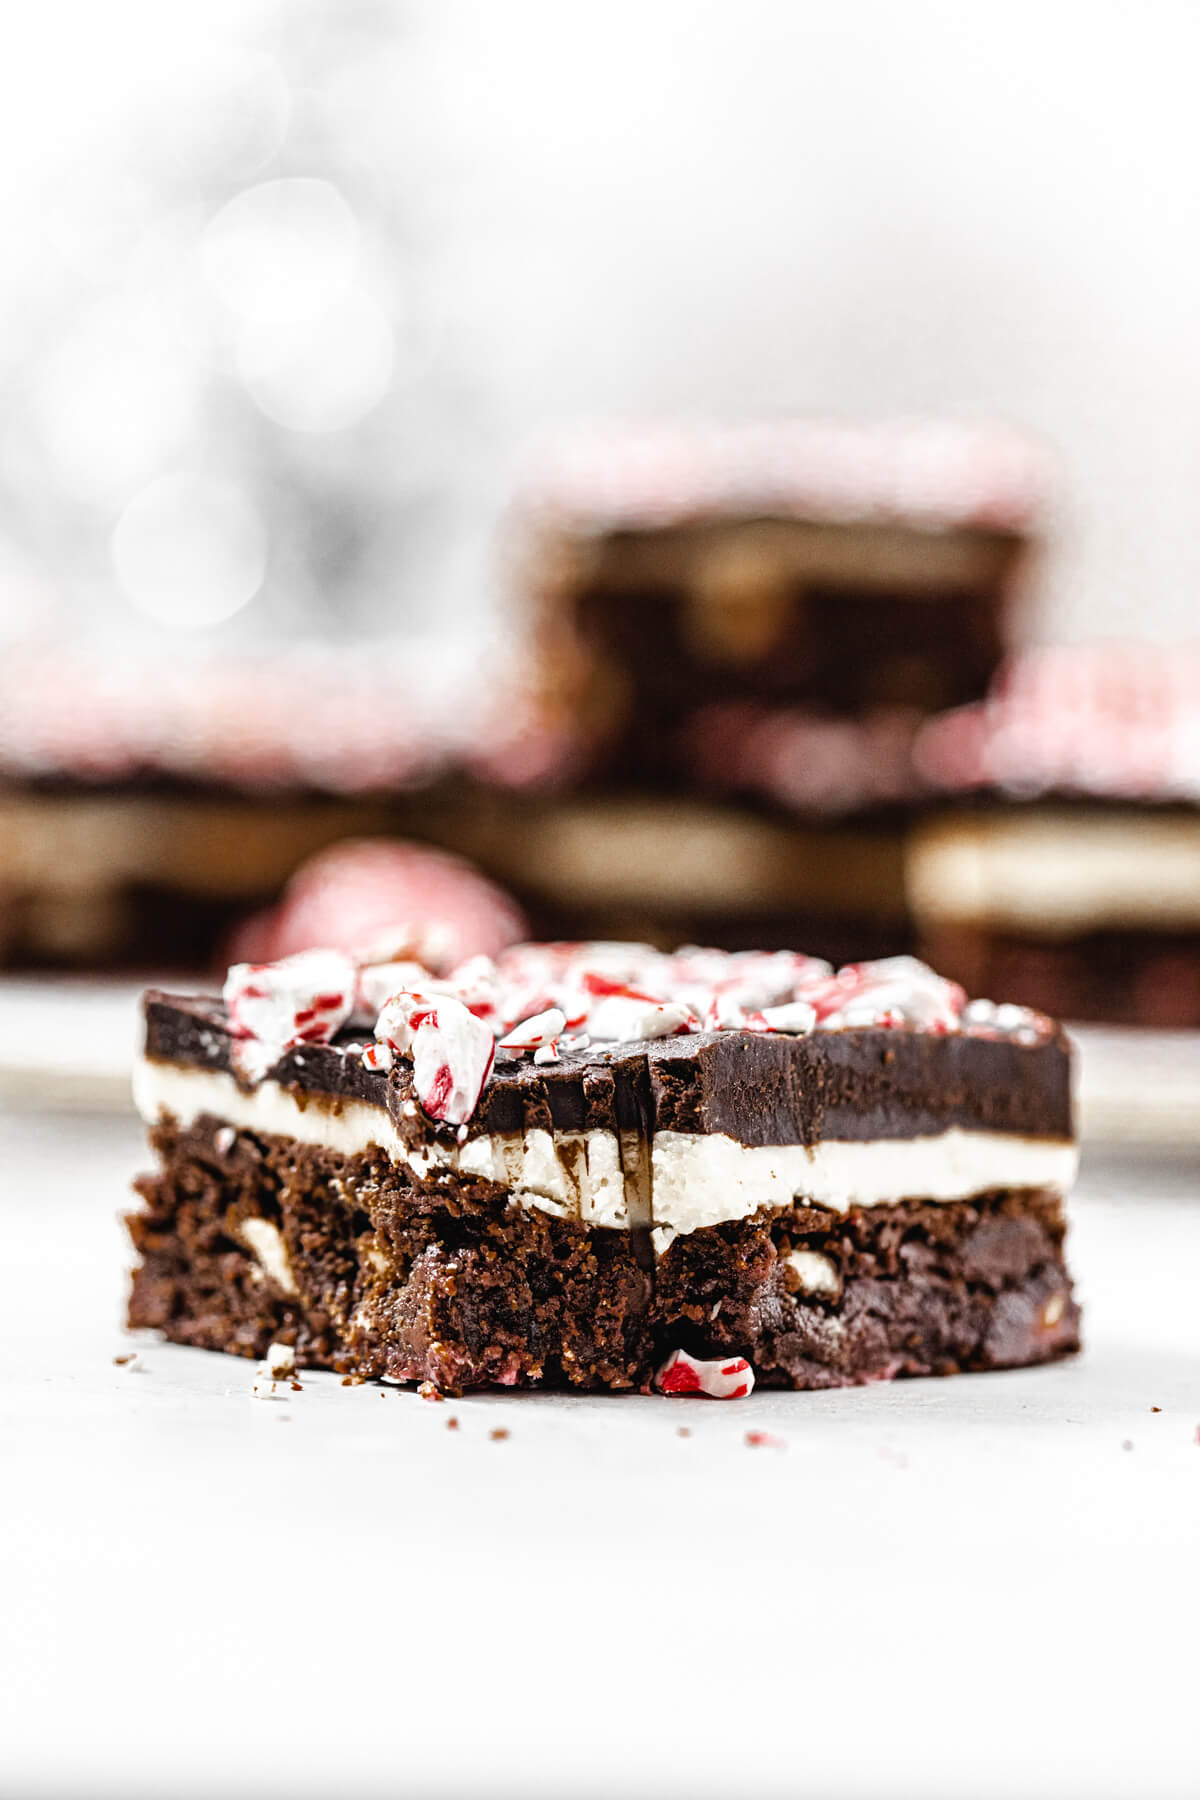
{"points": [[289, 289]]}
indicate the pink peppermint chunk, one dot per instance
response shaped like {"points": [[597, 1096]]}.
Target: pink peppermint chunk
{"points": [[452, 1051], [729, 1378], [302, 999]]}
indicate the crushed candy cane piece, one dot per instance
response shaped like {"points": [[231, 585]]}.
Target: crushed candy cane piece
{"points": [[895, 991], [728, 1378], [796, 1019], [541, 1029], [986, 1019], [622, 1020], [304, 999], [452, 1051], [378, 981]]}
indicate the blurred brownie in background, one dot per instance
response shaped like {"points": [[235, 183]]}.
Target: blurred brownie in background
{"points": [[671, 870], [144, 809], [1068, 877], [838, 571]]}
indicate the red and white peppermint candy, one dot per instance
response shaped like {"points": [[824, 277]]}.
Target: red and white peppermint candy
{"points": [[555, 999], [302, 1000], [452, 1051], [898, 990], [543, 1028], [621, 1019], [727, 1378], [796, 1019], [477, 984], [983, 1018], [378, 981]]}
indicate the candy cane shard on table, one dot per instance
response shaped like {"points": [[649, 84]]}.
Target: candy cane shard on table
{"points": [[601, 1166]]}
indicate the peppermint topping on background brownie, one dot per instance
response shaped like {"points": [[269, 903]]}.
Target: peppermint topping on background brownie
{"points": [[932, 474], [1112, 721], [562, 999]]}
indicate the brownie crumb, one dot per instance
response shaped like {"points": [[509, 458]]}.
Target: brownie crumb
{"points": [[123, 1362], [452, 1424], [1156, 1409], [428, 1391], [353, 1380], [498, 1434], [683, 1431]]}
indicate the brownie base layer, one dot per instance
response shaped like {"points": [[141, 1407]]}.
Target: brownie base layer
{"points": [[247, 1240]]}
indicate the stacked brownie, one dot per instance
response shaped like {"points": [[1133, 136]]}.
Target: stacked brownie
{"points": [[751, 623], [145, 809], [596, 1165], [806, 563], [1067, 872], [735, 634]]}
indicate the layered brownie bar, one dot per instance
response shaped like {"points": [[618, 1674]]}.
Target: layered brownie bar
{"points": [[1067, 877], [144, 809], [858, 569], [600, 1166]]}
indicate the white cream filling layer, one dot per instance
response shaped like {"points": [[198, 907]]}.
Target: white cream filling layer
{"points": [[711, 1180], [571, 1175], [696, 1180]]}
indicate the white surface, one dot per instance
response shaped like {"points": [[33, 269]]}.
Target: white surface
{"points": [[934, 1588]]}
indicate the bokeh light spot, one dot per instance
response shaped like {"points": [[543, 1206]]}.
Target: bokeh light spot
{"points": [[282, 251], [190, 551], [115, 402], [325, 375]]}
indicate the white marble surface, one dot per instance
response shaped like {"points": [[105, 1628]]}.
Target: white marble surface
{"points": [[932, 1588]]}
